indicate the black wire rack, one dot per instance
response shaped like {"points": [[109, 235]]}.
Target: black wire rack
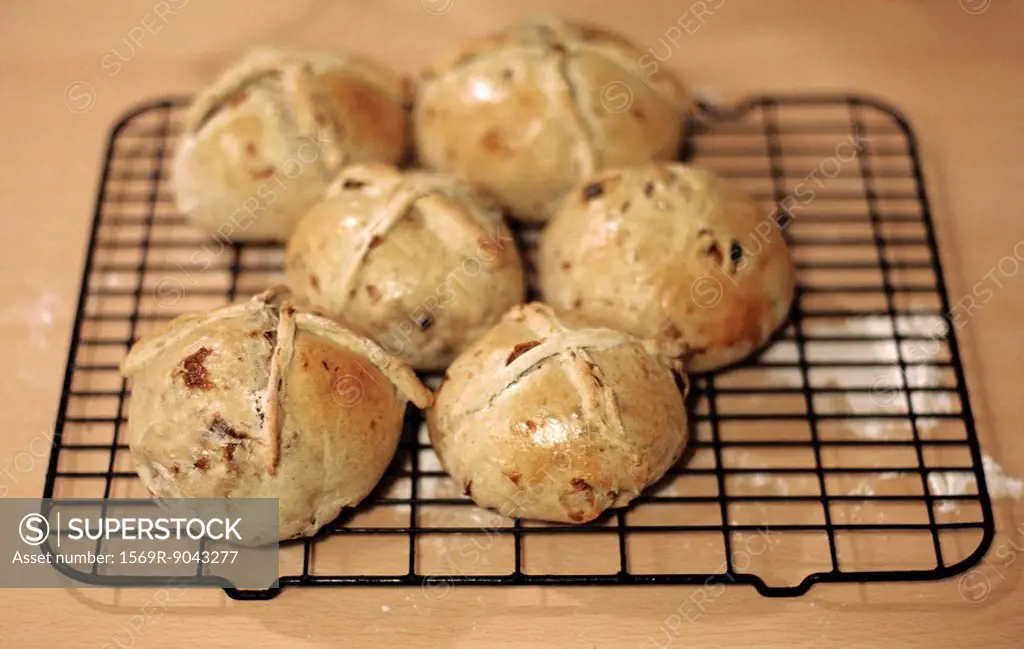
{"points": [[828, 458]]}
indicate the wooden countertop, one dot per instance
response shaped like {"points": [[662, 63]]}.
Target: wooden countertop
{"points": [[956, 69]]}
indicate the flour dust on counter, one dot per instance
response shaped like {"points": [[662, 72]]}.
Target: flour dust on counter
{"points": [[923, 341]]}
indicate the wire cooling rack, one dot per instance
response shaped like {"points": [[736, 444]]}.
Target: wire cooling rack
{"points": [[846, 452]]}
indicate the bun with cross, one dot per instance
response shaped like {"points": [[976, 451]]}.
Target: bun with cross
{"points": [[549, 417], [423, 263], [671, 252], [528, 111], [266, 400], [262, 143]]}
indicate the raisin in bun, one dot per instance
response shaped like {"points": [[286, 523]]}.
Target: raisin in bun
{"points": [[548, 417], [528, 111], [671, 252], [421, 262], [265, 400], [262, 143]]}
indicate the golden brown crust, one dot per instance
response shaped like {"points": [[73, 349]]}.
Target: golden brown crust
{"points": [[359, 426], [423, 263], [274, 402], [365, 110], [670, 252], [550, 418], [397, 372], [529, 111], [261, 143]]}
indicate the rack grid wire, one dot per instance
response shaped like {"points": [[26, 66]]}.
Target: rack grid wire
{"points": [[827, 458]]}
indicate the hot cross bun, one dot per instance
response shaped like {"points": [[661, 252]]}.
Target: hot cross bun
{"points": [[672, 252], [263, 142], [423, 263], [266, 400], [551, 418]]}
